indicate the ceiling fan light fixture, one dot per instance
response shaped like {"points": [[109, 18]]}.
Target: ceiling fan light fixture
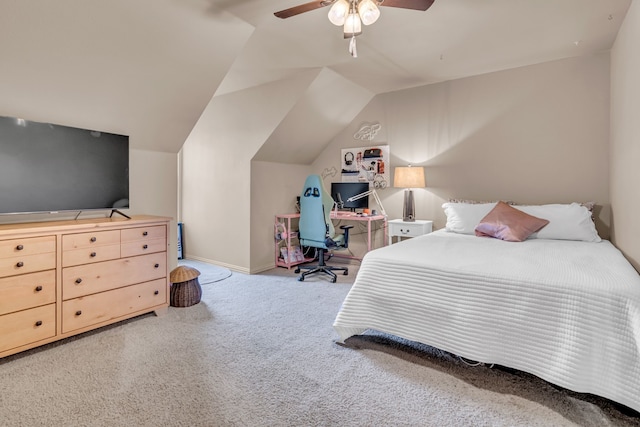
{"points": [[338, 12], [352, 26], [352, 14], [368, 11]]}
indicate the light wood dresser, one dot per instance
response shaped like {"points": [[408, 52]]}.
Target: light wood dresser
{"points": [[62, 278]]}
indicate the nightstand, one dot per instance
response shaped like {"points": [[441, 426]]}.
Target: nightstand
{"points": [[400, 228]]}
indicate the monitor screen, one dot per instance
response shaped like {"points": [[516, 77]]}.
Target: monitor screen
{"points": [[342, 191]]}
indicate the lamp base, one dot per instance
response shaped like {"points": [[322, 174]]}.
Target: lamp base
{"points": [[409, 207]]}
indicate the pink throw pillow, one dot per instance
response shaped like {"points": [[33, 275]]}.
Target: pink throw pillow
{"points": [[507, 223]]}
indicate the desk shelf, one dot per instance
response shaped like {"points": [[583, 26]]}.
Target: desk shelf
{"points": [[288, 251]]}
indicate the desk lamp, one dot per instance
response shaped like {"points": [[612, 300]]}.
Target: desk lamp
{"points": [[409, 177], [366, 194]]}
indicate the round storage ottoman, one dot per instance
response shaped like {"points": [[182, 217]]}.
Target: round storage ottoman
{"points": [[185, 288]]}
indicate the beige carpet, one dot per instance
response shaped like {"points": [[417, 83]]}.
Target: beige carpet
{"points": [[259, 351]]}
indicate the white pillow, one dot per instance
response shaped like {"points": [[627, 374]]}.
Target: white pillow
{"points": [[464, 217], [566, 222]]}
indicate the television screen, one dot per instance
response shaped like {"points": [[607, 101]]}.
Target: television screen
{"points": [[342, 191], [50, 168]]}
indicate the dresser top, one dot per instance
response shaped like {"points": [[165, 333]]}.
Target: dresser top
{"points": [[66, 226]]}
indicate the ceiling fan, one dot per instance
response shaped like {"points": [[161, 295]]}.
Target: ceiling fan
{"points": [[353, 13]]}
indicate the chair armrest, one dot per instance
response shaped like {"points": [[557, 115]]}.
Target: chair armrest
{"points": [[346, 229]]}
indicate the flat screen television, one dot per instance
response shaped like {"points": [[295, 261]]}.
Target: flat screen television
{"points": [[52, 168], [342, 191]]}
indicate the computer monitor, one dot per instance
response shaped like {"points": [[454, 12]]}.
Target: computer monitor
{"points": [[342, 191]]}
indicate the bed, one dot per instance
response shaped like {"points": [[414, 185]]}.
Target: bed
{"points": [[566, 310]]}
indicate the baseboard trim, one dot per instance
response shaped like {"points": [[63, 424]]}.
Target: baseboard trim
{"points": [[219, 264]]}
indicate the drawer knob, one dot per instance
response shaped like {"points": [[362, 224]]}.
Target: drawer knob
{"points": [[78, 313], [156, 292], [145, 246], [19, 247], [78, 280], [39, 323], [38, 288], [93, 239], [20, 264], [156, 265], [92, 254], [144, 233]]}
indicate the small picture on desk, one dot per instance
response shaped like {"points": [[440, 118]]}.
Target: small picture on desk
{"points": [[366, 164]]}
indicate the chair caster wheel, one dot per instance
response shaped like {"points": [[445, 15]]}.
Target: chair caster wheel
{"points": [[301, 279], [297, 270], [345, 273], [333, 280]]}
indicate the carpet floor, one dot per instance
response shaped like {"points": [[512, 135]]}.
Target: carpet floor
{"points": [[260, 350]]}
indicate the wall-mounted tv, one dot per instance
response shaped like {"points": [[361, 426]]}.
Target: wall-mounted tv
{"points": [[52, 168]]}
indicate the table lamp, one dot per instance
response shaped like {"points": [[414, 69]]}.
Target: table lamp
{"points": [[409, 177]]}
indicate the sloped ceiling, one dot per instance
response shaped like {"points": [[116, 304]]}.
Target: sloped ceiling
{"points": [[145, 68], [407, 48], [148, 68], [328, 104]]}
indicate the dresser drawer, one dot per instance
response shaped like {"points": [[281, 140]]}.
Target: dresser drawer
{"points": [[89, 310], [144, 233], [28, 246], [27, 326], [144, 247], [90, 255], [94, 246], [92, 278], [27, 264], [27, 291], [90, 240]]}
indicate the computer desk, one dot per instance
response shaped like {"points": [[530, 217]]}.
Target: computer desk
{"points": [[351, 216], [283, 224]]}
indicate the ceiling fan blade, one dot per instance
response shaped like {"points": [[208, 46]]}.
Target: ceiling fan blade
{"points": [[301, 8], [407, 4]]}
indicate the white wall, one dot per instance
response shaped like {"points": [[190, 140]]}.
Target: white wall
{"points": [[536, 134], [625, 137], [274, 187], [153, 190], [216, 170], [245, 146]]}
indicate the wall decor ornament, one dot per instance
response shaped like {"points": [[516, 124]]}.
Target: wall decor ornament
{"points": [[367, 131], [332, 171]]}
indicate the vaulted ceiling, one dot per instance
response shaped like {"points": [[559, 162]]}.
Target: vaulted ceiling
{"points": [[149, 68]]}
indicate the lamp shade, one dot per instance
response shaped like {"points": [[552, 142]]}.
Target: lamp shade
{"points": [[368, 11], [409, 177], [338, 12], [352, 26]]}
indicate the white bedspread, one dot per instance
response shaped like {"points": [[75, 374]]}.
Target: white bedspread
{"points": [[566, 311]]}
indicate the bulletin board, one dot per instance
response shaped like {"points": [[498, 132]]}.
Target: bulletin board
{"points": [[366, 164]]}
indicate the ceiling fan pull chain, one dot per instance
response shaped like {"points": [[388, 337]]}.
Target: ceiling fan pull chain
{"points": [[352, 47]]}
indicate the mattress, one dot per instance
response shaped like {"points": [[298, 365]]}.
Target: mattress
{"points": [[566, 311]]}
